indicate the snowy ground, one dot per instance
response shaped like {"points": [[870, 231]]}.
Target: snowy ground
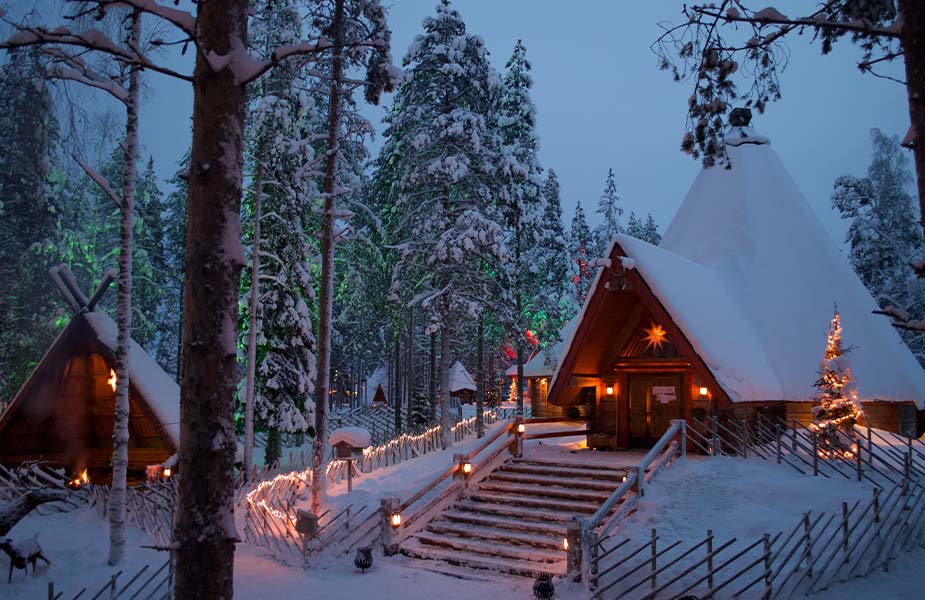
{"points": [[734, 497]]}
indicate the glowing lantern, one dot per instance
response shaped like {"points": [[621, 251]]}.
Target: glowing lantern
{"points": [[610, 390], [704, 391], [521, 428], [565, 544], [167, 472], [396, 520], [467, 468], [112, 380]]}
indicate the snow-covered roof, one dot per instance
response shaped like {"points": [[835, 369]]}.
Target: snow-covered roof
{"points": [[160, 391], [750, 275], [379, 377], [460, 378], [537, 365], [358, 437]]}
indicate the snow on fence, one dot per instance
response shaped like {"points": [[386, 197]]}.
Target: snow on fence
{"points": [[820, 550], [149, 507], [36, 475], [147, 583], [271, 517], [883, 458]]}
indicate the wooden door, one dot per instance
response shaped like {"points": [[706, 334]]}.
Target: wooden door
{"points": [[654, 400]]}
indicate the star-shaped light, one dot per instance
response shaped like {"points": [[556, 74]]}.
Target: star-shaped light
{"points": [[112, 380], [655, 336]]}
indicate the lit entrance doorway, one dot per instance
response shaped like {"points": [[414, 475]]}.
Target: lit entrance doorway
{"points": [[654, 400]]}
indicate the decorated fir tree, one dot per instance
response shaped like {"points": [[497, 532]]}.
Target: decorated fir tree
{"points": [[838, 409]]}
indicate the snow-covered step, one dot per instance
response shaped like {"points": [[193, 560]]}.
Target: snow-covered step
{"points": [[491, 548], [565, 464], [415, 548], [501, 534], [552, 504], [556, 480], [615, 475], [510, 523], [545, 492]]}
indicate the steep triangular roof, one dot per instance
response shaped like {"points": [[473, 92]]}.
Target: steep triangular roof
{"points": [[460, 379], [156, 393], [749, 276]]}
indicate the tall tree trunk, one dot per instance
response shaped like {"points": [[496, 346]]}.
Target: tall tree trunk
{"points": [[520, 380], [252, 332], [912, 39], [480, 379], [518, 307], [120, 434], [433, 375], [396, 387], [325, 300], [446, 421], [409, 373], [204, 533]]}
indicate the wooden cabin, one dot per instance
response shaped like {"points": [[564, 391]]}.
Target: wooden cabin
{"points": [[462, 386], [64, 413], [728, 315]]}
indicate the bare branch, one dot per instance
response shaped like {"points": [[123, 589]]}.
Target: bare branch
{"points": [[100, 181]]}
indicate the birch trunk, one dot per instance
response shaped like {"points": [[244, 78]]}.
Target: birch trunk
{"points": [[480, 379], [325, 308], [446, 422], [912, 39], [120, 433], [252, 332], [204, 533]]}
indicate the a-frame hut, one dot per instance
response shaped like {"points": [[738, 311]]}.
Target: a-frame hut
{"points": [[64, 412], [728, 314], [462, 386]]}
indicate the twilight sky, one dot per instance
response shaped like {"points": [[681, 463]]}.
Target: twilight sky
{"points": [[602, 103]]}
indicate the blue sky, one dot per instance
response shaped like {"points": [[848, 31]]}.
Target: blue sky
{"points": [[602, 103]]}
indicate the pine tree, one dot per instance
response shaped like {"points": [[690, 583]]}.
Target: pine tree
{"points": [[634, 227], [838, 410], [453, 246], [882, 234], [580, 240], [283, 122], [422, 413], [610, 213], [555, 264], [170, 320], [650, 231], [28, 215]]}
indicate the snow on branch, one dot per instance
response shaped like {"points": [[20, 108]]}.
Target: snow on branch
{"points": [[902, 319], [100, 181]]}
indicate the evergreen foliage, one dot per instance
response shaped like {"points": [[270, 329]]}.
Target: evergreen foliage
{"points": [[882, 233], [838, 410], [610, 212], [580, 241]]}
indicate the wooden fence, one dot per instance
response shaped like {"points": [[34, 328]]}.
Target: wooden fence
{"points": [[147, 583], [35, 475], [882, 458], [149, 507], [821, 549]]}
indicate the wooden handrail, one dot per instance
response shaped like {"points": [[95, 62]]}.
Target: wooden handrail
{"points": [[488, 441], [430, 486], [555, 434]]}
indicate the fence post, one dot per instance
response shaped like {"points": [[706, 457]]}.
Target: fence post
{"points": [[815, 454], [682, 433], [793, 436], [518, 450], [51, 590], [906, 475], [713, 449], [870, 445], [710, 560], [877, 507], [846, 547], [744, 429], [654, 557], [778, 445], [112, 586], [807, 540], [767, 567], [860, 460], [390, 534], [640, 481], [573, 554]]}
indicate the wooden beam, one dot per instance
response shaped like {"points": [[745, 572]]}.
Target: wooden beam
{"points": [[65, 272], [108, 278], [64, 290]]}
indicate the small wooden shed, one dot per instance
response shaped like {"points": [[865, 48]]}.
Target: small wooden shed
{"points": [[64, 412]]}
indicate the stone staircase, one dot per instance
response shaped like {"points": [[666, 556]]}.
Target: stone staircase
{"points": [[514, 520]]}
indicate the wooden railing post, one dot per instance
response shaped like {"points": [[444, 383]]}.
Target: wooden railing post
{"points": [[518, 446], [682, 434], [846, 546], [573, 549], [815, 454], [640, 484], [390, 534], [654, 580], [586, 558]]}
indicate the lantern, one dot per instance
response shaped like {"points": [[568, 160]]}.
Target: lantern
{"points": [[610, 390], [543, 589], [704, 392], [521, 428], [395, 520], [467, 468], [364, 558]]}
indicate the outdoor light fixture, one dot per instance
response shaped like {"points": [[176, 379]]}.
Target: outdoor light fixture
{"points": [[565, 544], [467, 468], [395, 520], [521, 428], [112, 380], [610, 390], [704, 391], [167, 471]]}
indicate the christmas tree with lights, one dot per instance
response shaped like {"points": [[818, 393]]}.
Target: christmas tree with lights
{"points": [[838, 409]]}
